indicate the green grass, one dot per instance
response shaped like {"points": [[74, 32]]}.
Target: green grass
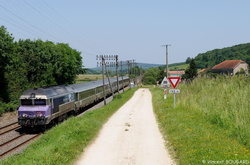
{"points": [[210, 122], [179, 67], [65, 143], [88, 77], [224, 102], [91, 77]]}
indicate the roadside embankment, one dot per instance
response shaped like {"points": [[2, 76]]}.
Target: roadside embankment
{"points": [[210, 122]]}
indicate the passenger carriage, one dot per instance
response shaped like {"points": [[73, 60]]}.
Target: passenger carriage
{"points": [[42, 106]]}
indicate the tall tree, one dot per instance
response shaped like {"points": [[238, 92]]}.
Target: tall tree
{"points": [[191, 71], [6, 51], [188, 60], [67, 65], [152, 75]]}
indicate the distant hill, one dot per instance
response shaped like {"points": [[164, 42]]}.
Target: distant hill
{"points": [[144, 66], [216, 56], [147, 66]]}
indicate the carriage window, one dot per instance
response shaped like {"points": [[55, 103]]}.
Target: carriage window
{"points": [[26, 102], [40, 102], [72, 97], [65, 98]]}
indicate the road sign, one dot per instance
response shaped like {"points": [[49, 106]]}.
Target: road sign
{"points": [[165, 83], [174, 81], [174, 91]]}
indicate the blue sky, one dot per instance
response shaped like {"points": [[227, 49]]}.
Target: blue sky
{"points": [[132, 29]]}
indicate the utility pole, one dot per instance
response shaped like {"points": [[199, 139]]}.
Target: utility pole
{"points": [[166, 58], [128, 71], [122, 77], [106, 60], [116, 68], [103, 83]]}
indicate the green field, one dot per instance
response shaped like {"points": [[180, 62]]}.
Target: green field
{"points": [[211, 121], [88, 77], [177, 66]]}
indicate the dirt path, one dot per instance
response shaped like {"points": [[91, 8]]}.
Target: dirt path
{"points": [[131, 136]]}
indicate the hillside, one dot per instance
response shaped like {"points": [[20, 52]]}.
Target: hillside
{"points": [[216, 56], [144, 66], [175, 66]]}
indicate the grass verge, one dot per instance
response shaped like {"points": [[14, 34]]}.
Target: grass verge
{"points": [[64, 143], [193, 138]]}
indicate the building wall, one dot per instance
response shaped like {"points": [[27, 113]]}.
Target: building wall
{"points": [[223, 71], [175, 75], [243, 66]]}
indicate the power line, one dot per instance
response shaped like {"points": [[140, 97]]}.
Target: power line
{"points": [[27, 22], [30, 30], [24, 11], [69, 23]]}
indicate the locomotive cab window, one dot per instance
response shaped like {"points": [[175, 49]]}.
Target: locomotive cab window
{"points": [[40, 102], [26, 102]]}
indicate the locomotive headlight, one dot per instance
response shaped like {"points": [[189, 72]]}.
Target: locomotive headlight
{"points": [[39, 114], [24, 115]]}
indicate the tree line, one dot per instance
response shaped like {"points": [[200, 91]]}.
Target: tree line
{"points": [[153, 75], [216, 56], [27, 64]]}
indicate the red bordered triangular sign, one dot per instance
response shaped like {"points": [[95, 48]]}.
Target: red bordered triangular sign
{"points": [[174, 81]]}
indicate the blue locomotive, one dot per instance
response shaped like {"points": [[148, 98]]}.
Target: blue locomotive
{"points": [[40, 107]]}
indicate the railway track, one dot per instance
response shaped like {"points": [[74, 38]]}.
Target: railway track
{"points": [[8, 128], [15, 143], [12, 139]]}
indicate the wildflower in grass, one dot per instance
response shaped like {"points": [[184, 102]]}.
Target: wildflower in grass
{"points": [[245, 150]]}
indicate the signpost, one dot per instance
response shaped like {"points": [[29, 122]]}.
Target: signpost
{"points": [[174, 82], [165, 93], [174, 91]]}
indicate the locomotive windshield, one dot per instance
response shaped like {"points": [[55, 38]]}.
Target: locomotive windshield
{"points": [[31, 102], [26, 102], [40, 102]]}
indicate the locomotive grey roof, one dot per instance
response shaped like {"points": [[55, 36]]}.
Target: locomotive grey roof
{"points": [[55, 91], [93, 84], [46, 92]]}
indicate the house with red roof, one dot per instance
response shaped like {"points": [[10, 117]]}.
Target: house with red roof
{"points": [[231, 67], [176, 73], [203, 71]]}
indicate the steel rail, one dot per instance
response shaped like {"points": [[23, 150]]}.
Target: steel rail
{"points": [[11, 140], [19, 145], [10, 124], [17, 127]]}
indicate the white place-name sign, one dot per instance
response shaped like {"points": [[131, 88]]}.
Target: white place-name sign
{"points": [[174, 91]]}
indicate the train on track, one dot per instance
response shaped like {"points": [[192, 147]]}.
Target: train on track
{"points": [[40, 107]]}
